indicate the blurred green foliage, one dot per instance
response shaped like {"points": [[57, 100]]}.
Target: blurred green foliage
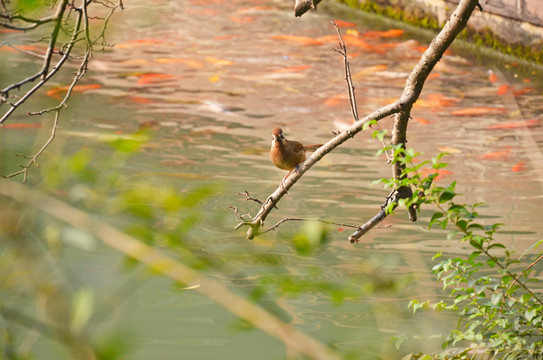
{"points": [[165, 214], [25, 6], [312, 237], [37, 295]]}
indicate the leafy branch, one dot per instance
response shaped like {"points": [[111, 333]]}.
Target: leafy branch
{"points": [[500, 309]]}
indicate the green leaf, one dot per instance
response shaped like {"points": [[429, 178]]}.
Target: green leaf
{"points": [[452, 234], [82, 305], [446, 196], [462, 224], [529, 314], [536, 245], [498, 245], [417, 305], [79, 161], [369, 124], [434, 219], [477, 242], [78, 238], [379, 134], [496, 298], [491, 262], [476, 226], [473, 256], [439, 166], [390, 208], [399, 340], [312, 237]]}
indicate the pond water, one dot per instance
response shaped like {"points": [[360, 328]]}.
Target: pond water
{"points": [[212, 78]]}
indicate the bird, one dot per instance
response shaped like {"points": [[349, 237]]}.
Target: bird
{"points": [[288, 154]]}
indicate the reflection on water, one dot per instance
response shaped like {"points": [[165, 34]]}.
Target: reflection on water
{"points": [[213, 78]]}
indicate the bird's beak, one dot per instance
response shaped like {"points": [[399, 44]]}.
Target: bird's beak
{"points": [[277, 139]]}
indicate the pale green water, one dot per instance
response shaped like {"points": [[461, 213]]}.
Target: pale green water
{"points": [[227, 82]]}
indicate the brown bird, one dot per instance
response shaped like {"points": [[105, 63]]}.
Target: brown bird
{"points": [[287, 154]]}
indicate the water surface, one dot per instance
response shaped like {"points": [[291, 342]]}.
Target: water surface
{"points": [[212, 79]]}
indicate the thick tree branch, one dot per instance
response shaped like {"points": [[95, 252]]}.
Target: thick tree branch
{"points": [[61, 7], [414, 84], [412, 90]]}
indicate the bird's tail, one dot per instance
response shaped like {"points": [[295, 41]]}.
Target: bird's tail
{"points": [[312, 147]]}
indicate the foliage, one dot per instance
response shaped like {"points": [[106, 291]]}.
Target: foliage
{"points": [[39, 294], [38, 286], [499, 308]]}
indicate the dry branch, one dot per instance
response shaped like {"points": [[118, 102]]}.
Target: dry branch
{"points": [[34, 159], [80, 32], [402, 108]]}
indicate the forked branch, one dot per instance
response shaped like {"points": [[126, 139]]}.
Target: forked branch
{"points": [[402, 108], [79, 33]]}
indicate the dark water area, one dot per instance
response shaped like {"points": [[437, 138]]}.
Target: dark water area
{"points": [[211, 79]]}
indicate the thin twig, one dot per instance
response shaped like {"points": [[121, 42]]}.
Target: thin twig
{"points": [[350, 85], [240, 217], [28, 52], [33, 159], [343, 51], [248, 197], [79, 74], [307, 219], [524, 271], [81, 18]]}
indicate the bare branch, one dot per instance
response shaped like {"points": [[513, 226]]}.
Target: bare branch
{"points": [[240, 217], [350, 86], [307, 219], [81, 20], [33, 159], [524, 272], [35, 22], [54, 35], [392, 199], [248, 197], [415, 82], [343, 51], [55, 69]]}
